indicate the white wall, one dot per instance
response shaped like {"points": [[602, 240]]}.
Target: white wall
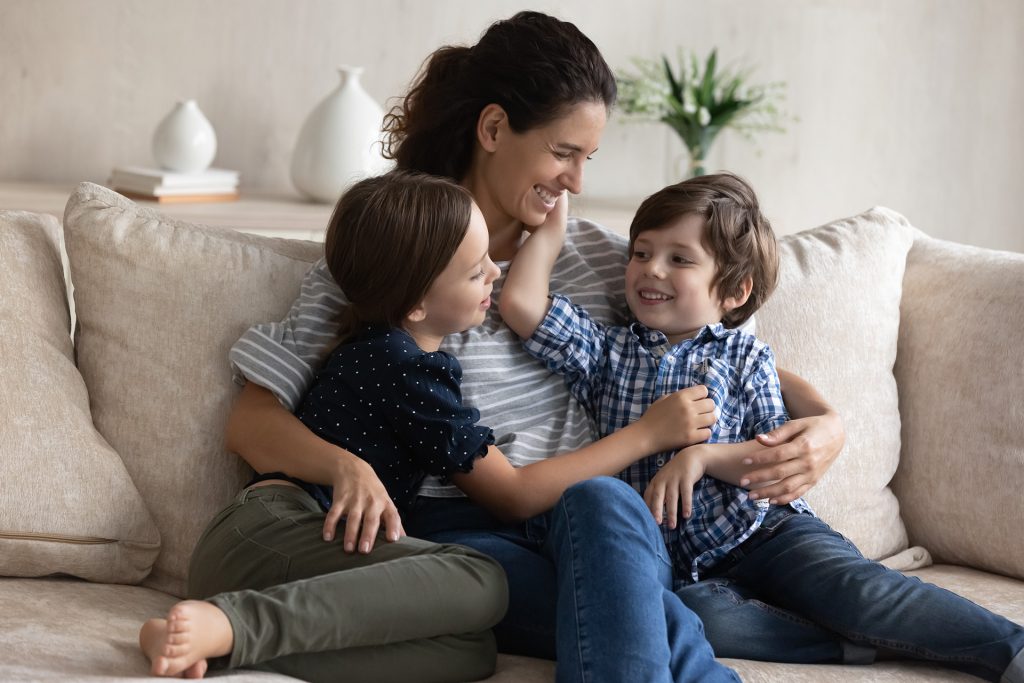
{"points": [[913, 104]]}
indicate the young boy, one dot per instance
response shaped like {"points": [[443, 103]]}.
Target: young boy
{"points": [[702, 260]]}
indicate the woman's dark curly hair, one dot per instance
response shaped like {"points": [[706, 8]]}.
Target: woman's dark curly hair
{"points": [[533, 66]]}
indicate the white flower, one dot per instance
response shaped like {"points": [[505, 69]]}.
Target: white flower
{"points": [[703, 116]]}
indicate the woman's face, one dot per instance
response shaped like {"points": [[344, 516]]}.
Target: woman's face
{"points": [[524, 173]]}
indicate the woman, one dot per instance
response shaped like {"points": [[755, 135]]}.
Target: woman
{"points": [[513, 119]]}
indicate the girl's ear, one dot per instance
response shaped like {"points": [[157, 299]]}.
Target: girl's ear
{"points": [[731, 303], [491, 121], [417, 314]]}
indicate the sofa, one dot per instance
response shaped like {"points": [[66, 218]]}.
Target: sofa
{"points": [[112, 456]]}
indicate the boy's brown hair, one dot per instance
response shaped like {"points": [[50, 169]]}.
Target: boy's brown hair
{"points": [[388, 239], [736, 233]]}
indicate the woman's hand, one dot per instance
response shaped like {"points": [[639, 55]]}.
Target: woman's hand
{"points": [[798, 455], [672, 486], [680, 419], [361, 499]]}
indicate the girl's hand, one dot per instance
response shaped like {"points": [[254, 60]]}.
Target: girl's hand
{"points": [[673, 485], [680, 419], [799, 454], [361, 499]]}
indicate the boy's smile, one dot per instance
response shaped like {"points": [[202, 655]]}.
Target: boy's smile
{"points": [[668, 280]]}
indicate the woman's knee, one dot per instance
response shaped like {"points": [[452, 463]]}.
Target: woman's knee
{"points": [[602, 493]]}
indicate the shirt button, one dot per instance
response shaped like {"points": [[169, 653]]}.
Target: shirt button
{"points": [[661, 462], [671, 360]]}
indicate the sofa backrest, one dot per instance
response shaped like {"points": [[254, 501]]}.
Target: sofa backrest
{"points": [[160, 302], [960, 369]]}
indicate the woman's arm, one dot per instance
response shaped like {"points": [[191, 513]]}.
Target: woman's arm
{"points": [[518, 493], [271, 439], [800, 451]]}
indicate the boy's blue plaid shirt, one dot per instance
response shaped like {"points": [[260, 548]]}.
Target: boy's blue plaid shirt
{"points": [[618, 372]]}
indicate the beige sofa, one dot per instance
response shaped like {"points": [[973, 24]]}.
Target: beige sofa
{"points": [[112, 457]]}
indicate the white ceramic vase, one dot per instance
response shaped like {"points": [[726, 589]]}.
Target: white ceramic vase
{"points": [[184, 140], [340, 141]]}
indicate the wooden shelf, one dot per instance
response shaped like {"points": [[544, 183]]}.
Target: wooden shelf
{"points": [[269, 214]]}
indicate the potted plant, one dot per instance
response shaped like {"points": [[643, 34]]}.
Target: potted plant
{"points": [[699, 100]]}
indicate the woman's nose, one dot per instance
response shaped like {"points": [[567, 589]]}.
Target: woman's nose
{"points": [[572, 179]]}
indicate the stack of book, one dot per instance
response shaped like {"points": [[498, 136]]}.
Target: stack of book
{"points": [[155, 184]]}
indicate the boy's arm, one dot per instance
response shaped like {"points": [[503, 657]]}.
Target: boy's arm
{"points": [[524, 297]]}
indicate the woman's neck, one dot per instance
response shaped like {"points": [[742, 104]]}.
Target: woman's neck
{"points": [[505, 232]]}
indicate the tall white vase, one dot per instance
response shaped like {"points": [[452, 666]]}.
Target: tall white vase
{"points": [[184, 140], [340, 141]]}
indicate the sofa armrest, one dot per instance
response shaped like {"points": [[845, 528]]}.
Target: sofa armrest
{"points": [[960, 375]]}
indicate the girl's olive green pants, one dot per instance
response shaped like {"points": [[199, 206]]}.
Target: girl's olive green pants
{"points": [[301, 606]]}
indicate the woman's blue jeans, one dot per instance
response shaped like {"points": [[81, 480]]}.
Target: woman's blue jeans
{"points": [[797, 591], [589, 581]]}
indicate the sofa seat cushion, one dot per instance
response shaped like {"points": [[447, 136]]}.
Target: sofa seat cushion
{"points": [[68, 630], [68, 505]]}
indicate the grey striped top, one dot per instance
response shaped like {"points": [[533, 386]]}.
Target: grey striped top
{"points": [[529, 408]]}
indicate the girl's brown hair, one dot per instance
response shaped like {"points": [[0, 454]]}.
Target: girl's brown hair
{"points": [[735, 232], [532, 65], [387, 241]]}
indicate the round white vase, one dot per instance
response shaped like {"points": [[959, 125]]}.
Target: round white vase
{"points": [[340, 141], [184, 140]]}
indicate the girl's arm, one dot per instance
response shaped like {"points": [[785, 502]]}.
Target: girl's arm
{"points": [[524, 297], [518, 493], [272, 439], [800, 451]]}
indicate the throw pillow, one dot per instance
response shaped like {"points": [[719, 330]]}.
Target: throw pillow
{"points": [[68, 504], [834, 321], [159, 303]]}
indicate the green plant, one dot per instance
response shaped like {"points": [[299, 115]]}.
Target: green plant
{"points": [[700, 100]]}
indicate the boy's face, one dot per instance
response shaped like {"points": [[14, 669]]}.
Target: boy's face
{"points": [[668, 280]]}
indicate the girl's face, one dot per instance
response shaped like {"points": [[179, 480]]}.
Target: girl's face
{"points": [[521, 175], [461, 294]]}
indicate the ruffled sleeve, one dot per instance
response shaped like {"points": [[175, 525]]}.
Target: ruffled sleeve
{"points": [[431, 420]]}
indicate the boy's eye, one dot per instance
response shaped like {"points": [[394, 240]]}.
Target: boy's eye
{"points": [[640, 255], [478, 275], [680, 259], [562, 156]]}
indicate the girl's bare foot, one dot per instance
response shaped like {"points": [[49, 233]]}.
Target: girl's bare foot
{"points": [[180, 644]]}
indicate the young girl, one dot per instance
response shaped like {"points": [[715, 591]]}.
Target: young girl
{"points": [[410, 251]]}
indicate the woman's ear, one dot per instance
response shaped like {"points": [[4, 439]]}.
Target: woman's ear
{"points": [[489, 124], [731, 303]]}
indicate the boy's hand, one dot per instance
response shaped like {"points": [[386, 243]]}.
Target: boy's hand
{"points": [[557, 219], [672, 486], [683, 418]]}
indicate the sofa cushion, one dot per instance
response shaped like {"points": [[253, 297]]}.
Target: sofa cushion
{"points": [[68, 504], [962, 398], [159, 303], [834, 320]]}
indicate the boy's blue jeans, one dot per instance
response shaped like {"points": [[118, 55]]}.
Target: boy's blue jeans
{"points": [[797, 591], [589, 581]]}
